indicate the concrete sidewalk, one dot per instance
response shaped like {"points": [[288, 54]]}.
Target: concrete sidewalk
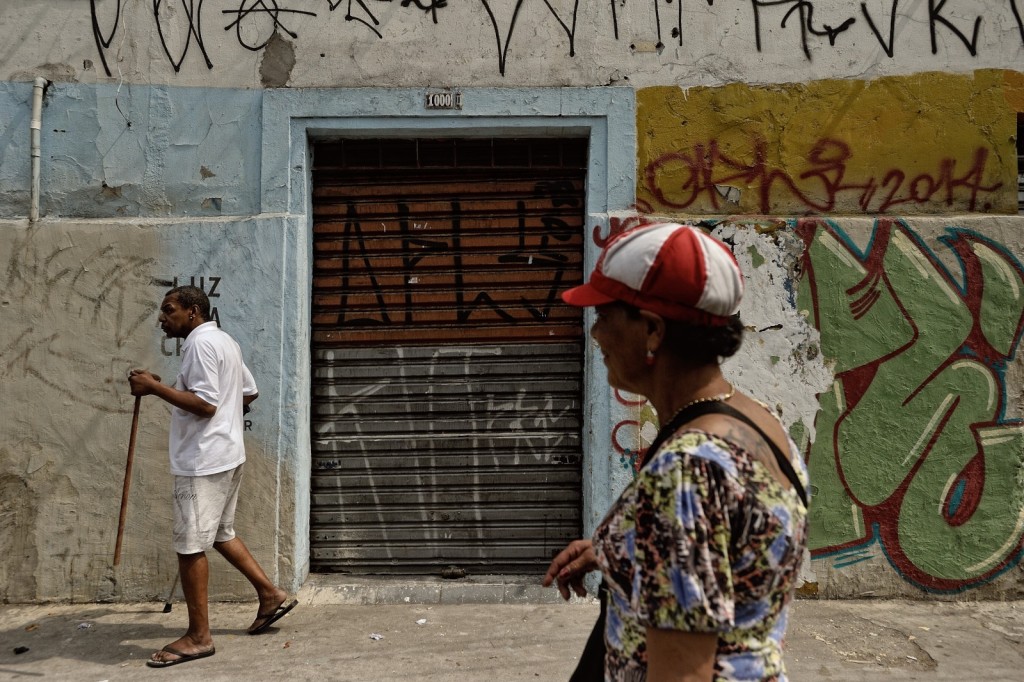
{"points": [[331, 635]]}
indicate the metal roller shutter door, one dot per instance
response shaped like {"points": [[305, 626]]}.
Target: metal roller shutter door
{"points": [[447, 397]]}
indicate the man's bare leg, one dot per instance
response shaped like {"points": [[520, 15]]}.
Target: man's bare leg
{"points": [[238, 555], [195, 576]]}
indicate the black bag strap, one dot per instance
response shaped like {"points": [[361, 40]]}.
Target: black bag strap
{"points": [[718, 407], [591, 664]]}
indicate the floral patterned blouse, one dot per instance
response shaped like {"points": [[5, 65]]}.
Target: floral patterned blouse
{"points": [[703, 540]]}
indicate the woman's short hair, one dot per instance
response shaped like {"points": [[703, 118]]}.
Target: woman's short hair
{"points": [[698, 344], [703, 345]]}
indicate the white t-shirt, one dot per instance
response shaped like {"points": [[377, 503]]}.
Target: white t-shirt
{"points": [[212, 368]]}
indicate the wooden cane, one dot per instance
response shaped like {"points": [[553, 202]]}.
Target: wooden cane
{"points": [[170, 595], [127, 480]]}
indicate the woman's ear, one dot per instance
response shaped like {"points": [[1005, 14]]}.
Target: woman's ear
{"points": [[655, 329]]}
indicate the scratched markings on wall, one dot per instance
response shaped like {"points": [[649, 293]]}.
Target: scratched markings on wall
{"points": [[254, 23], [739, 149], [70, 291], [914, 449]]}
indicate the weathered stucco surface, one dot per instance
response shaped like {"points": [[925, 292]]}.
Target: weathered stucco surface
{"points": [[537, 44], [122, 151], [860, 160], [78, 310]]}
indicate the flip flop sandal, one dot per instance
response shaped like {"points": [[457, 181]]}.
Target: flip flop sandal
{"points": [[271, 618], [182, 657]]}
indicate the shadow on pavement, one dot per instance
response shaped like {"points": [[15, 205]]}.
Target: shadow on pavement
{"points": [[95, 634]]}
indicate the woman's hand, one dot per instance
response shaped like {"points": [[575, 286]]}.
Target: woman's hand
{"points": [[569, 567]]}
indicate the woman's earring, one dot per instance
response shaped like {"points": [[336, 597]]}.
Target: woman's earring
{"points": [[650, 358]]}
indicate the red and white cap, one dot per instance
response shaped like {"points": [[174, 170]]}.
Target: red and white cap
{"points": [[676, 271]]}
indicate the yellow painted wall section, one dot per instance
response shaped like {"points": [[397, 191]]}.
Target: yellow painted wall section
{"points": [[929, 143], [1013, 87]]}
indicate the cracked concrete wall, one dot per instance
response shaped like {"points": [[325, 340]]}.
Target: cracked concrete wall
{"points": [[536, 44]]}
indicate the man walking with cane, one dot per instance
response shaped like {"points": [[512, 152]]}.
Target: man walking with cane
{"points": [[207, 455]]}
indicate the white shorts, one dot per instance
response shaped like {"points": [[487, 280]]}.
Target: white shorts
{"points": [[204, 510]]}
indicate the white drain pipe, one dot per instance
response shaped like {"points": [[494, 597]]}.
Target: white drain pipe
{"points": [[36, 126]]}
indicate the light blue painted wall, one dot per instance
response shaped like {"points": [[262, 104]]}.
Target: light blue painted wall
{"points": [[133, 151]]}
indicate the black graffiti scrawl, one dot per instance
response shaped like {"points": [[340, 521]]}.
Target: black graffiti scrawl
{"points": [[193, 11], [270, 9], [252, 23], [104, 40]]}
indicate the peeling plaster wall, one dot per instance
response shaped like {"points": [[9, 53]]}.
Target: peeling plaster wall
{"points": [[129, 151], [885, 333], [79, 309]]}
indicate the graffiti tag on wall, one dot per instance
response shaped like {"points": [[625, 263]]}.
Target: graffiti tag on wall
{"points": [[707, 177], [76, 298], [452, 268], [806, 28], [629, 435], [914, 450]]}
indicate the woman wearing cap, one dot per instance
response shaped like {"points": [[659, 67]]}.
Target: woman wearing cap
{"points": [[701, 552]]}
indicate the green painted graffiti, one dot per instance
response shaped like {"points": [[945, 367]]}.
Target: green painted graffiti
{"points": [[913, 449]]}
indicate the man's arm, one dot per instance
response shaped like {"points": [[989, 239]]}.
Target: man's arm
{"points": [[246, 399], [146, 383]]}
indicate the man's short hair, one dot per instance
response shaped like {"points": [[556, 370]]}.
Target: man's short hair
{"points": [[189, 296]]}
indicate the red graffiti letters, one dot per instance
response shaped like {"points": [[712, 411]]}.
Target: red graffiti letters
{"points": [[707, 178]]}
